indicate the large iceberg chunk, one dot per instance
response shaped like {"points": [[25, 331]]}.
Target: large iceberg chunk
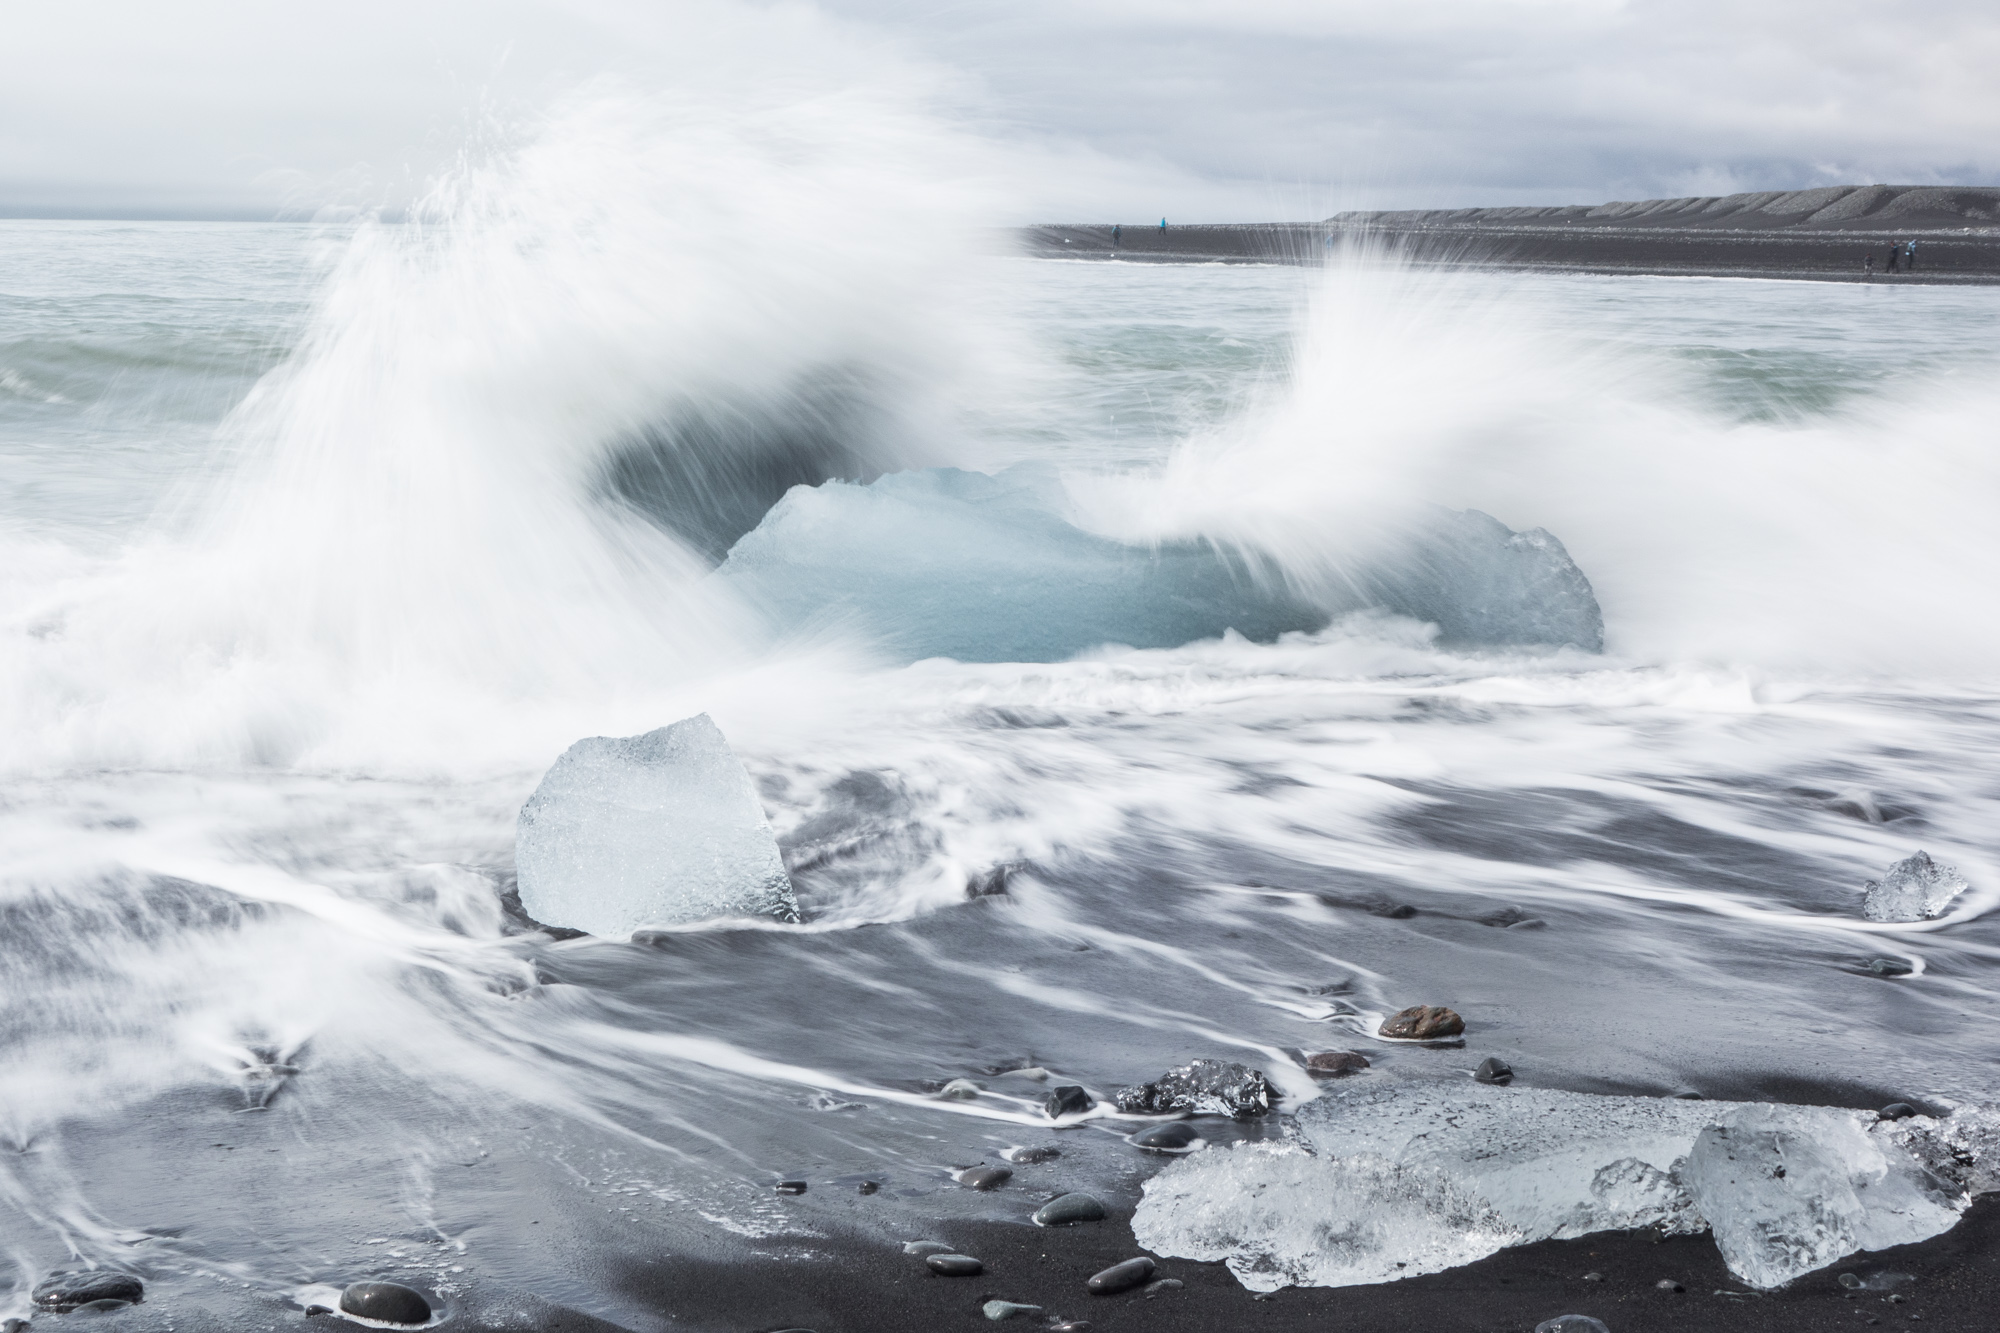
{"points": [[1915, 889], [946, 563], [1535, 1165], [662, 829]]}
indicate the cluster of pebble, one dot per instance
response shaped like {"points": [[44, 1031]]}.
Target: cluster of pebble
{"points": [[1064, 1210]]}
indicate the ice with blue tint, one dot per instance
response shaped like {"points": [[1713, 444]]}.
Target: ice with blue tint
{"points": [[663, 829], [949, 563], [1394, 1178]]}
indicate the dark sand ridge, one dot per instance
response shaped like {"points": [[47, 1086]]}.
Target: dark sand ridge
{"points": [[1822, 234]]}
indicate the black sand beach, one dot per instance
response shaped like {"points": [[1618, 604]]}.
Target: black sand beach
{"points": [[1821, 235]]}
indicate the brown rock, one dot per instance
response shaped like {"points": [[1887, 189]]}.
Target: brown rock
{"points": [[1424, 1022], [1332, 1064]]}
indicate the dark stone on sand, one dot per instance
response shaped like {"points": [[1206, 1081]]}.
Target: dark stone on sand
{"points": [[1889, 967], [1849, 1281], [1033, 1156], [985, 1177], [1668, 1284], [1333, 1064], [791, 1187], [1071, 1326], [1897, 1111], [1163, 1286], [1494, 1070], [1423, 1022], [1203, 1087], [1068, 1209], [921, 1247], [61, 1292], [954, 1265], [1593, 1277], [1572, 1323], [869, 1186], [388, 1302], [1069, 1099], [1120, 1277], [1178, 1137]]}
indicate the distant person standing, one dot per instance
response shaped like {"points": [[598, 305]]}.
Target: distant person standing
{"points": [[1868, 263], [1163, 224], [1910, 255], [1116, 233], [1895, 251]]}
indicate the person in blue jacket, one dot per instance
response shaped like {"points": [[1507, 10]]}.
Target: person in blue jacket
{"points": [[1163, 224]]}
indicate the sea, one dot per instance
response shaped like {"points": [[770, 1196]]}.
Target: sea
{"points": [[320, 542]]}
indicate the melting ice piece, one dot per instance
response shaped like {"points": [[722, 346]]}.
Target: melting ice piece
{"points": [[1538, 1165], [1280, 1217], [946, 563], [1915, 889], [1203, 1087], [662, 829]]}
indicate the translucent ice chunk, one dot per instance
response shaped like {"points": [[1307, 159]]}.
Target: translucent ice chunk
{"points": [[1532, 1164], [948, 563], [1915, 889], [656, 830], [1204, 1087], [1279, 1216]]}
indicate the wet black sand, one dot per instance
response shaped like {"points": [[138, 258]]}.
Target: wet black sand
{"points": [[1949, 1282]]}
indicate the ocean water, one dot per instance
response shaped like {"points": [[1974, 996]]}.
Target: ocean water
{"points": [[315, 553]]}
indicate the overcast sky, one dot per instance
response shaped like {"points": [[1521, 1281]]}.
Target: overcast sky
{"points": [[1199, 109]]}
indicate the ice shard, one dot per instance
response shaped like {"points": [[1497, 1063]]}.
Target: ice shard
{"points": [[663, 829]]}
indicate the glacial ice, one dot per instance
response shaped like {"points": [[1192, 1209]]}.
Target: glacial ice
{"points": [[1915, 889], [947, 563], [1396, 1178], [662, 829]]}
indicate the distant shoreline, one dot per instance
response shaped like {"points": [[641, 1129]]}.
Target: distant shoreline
{"points": [[1814, 235]]}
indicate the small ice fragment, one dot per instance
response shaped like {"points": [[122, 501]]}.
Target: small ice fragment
{"points": [[662, 829], [1915, 889], [1203, 1087]]}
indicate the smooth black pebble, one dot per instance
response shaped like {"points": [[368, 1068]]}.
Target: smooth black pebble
{"points": [[390, 1302], [1165, 1138], [1121, 1277], [954, 1265], [791, 1187], [869, 1187], [985, 1177], [68, 1291], [1068, 1209], [1069, 1099], [1495, 1070], [1898, 1111]]}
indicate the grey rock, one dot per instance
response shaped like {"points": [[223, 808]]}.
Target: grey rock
{"points": [[1032, 1156], [1202, 1087], [960, 1090], [985, 1177], [1423, 1022], [1178, 1138], [1572, 1323], [1335, 1064], [1071, 1326], [1850, 1281], [1897, 1111], [1069, 1099], [1120, 1277], [1889, 967], [922, 1247], [62, 1292], [1668, 1284], [1069, 1209], [386, 1302], [954, 1265], [1593, 1277], [791, 1187], [1494, 1070], [1162, 1287]]}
